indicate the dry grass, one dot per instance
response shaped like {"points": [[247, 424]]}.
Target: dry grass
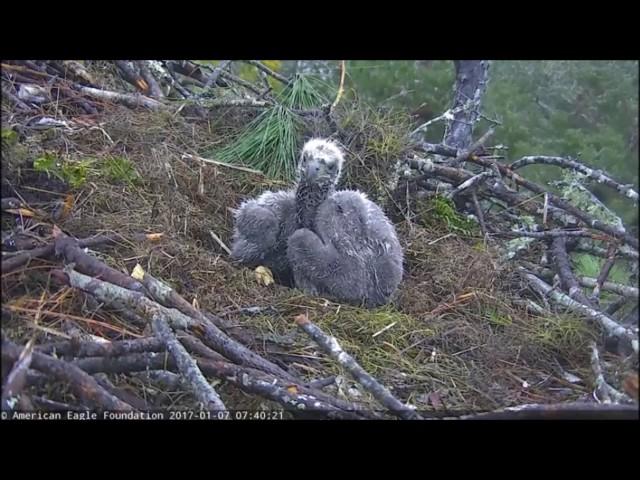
{"points": [[452, 336]]}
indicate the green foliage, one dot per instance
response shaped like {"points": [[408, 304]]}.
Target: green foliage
{"points": [[73, 173], [443, 211], [270, 143], [590, 266], [76, 172], [119, 169], [9, 137]]}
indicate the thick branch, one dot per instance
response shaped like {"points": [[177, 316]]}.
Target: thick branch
{"points": [[82, 384], [187, 366]]}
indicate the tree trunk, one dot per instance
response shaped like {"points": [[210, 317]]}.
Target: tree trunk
{"points": [[471, 83]]}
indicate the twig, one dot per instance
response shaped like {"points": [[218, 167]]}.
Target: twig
{"points": [[465, 154], [213, 78], [597, 175], [608, 324], [187, 367], [478, 208], [472, 182], [147, 76], [560, 203], [343, 69], [268, 71], [604, 274], [626, 291], [220, 242], [222, 164], [550, 234], [331, 346], [606, 393], [17, 378], [41, 252], [82, 384]]}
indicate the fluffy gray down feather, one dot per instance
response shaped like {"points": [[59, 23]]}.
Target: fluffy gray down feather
{"points": [[352, 255]]}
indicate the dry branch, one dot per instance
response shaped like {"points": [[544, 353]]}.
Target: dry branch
{"points": [[597, 175], [606, 393], [268, 71], [42, 252], [17, 378], [127, 99], [563, 411], [331, 346], [563, 268], [604, 274], [80, 349], [608, 324], [82, 384], [70, 250], [187, 366], [214, 337], [560, 203]]}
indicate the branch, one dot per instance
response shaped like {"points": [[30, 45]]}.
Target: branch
{"points": [[331, 346], [607, 323], [473, 181], [606, 392], [268, 71], [82, 384], [70, 250], [563, 267], [213, 78], [187, 366], [604, 273], [562, 411], [17, 378], [597, 175], [94, 349], [588, 282], [127, 99], [340, 86], [560, 203], [223, 164]]}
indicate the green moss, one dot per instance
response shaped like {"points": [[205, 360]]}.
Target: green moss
{"points": [[441, 210], [119, 169], [9, 137]]}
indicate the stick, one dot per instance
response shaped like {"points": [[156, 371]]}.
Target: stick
{"points": [[604, 273], [562, 411], [473, 181], [17, 378], [605, 391], [83, 385], [478, 208], [80, 349], [268, 71], [187, 367], [607, 323], [563, 268], [340, 86], [127, 99], [597, 175], [560, 203], [223, 164], [331, 346], [220, 242]]}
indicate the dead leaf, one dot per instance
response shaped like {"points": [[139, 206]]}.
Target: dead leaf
{"points": [[292, 389], [195, 303], [56, 232], [154, 236], [435, 400], [138, 273], [264, 276]]}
